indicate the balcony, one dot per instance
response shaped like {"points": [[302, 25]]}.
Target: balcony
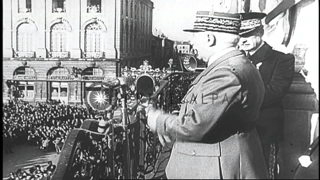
{"points": [[26, 54], [93, 54], [24, 10], [59, 54], [93, 9], [59, 10]]}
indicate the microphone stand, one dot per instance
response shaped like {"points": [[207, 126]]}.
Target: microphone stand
{"points": [[125, 122]]}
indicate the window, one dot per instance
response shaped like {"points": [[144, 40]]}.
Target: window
{"points": [[25, 71], [59, 89], [58, 38], [58, 6], [24, 6], [97, 72], [27, 89], [122, 36], [29, 72], [59, 72], [126, 8], [25, 37], [131, 9], [127, 45], [94, 6], [136, 11], [93, 38], [93, 72]]}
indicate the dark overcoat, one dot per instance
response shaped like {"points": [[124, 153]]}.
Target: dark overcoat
{"points": [[276, 70], [214, 132]]}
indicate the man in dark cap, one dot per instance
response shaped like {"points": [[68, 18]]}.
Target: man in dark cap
{"points": [[214, 133], [276, 69]]}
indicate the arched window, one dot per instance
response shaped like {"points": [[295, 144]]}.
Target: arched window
{"points": [[92, 71], [94, 40], [59, 71], [24, 71], [58, 39], [25, 37]]}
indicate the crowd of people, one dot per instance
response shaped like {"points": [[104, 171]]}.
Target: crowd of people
{"points": [[45, 125], [35, 172]]}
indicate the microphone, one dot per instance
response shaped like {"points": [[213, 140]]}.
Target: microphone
{"points": [[113, 83], [110, 83], [118, 83]]}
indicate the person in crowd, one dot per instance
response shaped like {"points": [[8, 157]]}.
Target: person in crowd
{"points": [[276, 69], [214, 135], [12, 176], [56, 143], [51, 167], [45, 143]]}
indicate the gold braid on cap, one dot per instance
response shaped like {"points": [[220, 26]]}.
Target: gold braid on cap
{"points": [[213, 23], [250, 23]]}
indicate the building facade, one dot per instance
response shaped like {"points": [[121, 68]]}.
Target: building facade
{"points": [[183, 47], [162, 49], [60, 49]]}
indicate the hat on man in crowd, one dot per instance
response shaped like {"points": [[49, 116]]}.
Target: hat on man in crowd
{"points": [[251, 23], [217, 22]]}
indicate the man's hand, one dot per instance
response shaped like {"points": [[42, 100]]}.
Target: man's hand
{"points": [[143, 106], [152, 118]]}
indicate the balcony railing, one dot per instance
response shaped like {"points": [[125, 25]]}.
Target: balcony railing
{"points": [[59, 10], [59, 54], [26, 54], [24, 10], [144, 156], [93, 9], [93, 54]]}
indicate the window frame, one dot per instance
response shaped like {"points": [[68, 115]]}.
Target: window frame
{"points": [[60, 44], [26, 93], [94, 38], [25, 40]]}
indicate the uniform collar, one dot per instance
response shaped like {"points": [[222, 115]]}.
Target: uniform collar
{"points": [[261, 54], [219, 54], [251, 53], [226, 55]]}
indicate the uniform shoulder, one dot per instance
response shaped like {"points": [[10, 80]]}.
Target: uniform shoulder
{"points": [[283, 56], [240, 62]]}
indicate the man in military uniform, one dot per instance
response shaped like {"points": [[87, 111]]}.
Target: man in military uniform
{"points": [[214, 133], [276, 69]]}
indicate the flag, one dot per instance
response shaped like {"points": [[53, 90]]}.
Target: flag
{"points": [[281, 7]]}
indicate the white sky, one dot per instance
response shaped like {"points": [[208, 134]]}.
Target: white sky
{"points": [[172, 16]]}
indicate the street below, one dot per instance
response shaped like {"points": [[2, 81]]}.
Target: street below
{"points": [[24, 157]]}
